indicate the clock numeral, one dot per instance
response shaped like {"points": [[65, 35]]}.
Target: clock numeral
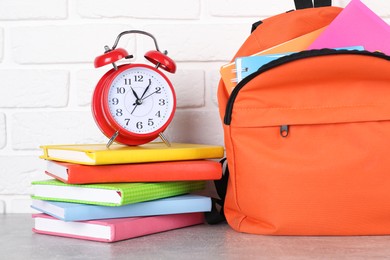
{"points": [[119, 112], [120, 90], [138, 78], [127, 120], [115, 101], [150, 122], [161, 102], [158, 114], [139, 125], [127, 81], [158, 90]]}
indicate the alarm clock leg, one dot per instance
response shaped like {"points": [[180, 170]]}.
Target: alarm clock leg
{"points": [[164, 139], [112, 139]]}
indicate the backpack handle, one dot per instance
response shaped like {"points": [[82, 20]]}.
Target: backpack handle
{"points": [[301, 4]]}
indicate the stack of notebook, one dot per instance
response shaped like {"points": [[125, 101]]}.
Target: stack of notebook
{"points": [[116, 193]]}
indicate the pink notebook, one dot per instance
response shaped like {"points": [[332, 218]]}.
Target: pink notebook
{"points": [[112, 230], [356, 25]]}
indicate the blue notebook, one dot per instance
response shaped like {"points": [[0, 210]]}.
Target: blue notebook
{"points": [[249, 64], [78, 212]]}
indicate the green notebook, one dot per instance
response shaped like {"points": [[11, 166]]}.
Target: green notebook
{"points": [[111, 194]]}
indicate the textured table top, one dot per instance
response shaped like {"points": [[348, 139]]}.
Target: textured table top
{"points": [[17, 241]]}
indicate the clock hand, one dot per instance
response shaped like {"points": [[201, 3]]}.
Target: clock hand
{"points": [[135, 106], [149, 95], [139, 100], [135, 93], [146, 89]]}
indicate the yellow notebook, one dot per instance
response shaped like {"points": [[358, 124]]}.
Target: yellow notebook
{"points": [[228, 72], [99, 154]]}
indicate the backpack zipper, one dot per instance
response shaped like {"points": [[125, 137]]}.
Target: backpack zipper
{"points": [[286, 59], [284, 131]]}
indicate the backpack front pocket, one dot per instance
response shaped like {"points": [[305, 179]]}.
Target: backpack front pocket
{"points": [[307, 139]]}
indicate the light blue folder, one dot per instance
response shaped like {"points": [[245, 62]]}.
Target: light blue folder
{"points": [[249, 64], [78, 212]]}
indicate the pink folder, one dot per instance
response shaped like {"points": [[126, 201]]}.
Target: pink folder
{"points": [[356, 25], [112, 230]]}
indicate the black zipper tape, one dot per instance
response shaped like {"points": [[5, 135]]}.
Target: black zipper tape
{"points": [[286, 59]]}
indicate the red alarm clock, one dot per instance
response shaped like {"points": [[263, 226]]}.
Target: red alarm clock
{"points": [[134, 103]]}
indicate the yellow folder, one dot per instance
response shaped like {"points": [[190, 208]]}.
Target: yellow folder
{"points": [[99, 154]]}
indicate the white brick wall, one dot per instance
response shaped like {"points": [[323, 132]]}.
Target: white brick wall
{"points": [[47, 48], [33, 88], [3, 133], [168, 9]]}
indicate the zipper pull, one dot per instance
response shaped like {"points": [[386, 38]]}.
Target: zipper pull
{"points": [[284, 130]]}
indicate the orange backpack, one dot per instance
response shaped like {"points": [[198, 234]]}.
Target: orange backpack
{"points": [[307, 136]]}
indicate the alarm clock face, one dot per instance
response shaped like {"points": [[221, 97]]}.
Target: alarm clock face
{"points": [[140, 99]]}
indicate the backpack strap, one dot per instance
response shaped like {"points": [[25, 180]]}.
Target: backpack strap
{"points": [[302, 4], [216, 215], [255, 25], [322, 3]]}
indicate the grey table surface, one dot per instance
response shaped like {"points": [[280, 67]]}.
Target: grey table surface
{"points": [[17, 241]]}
